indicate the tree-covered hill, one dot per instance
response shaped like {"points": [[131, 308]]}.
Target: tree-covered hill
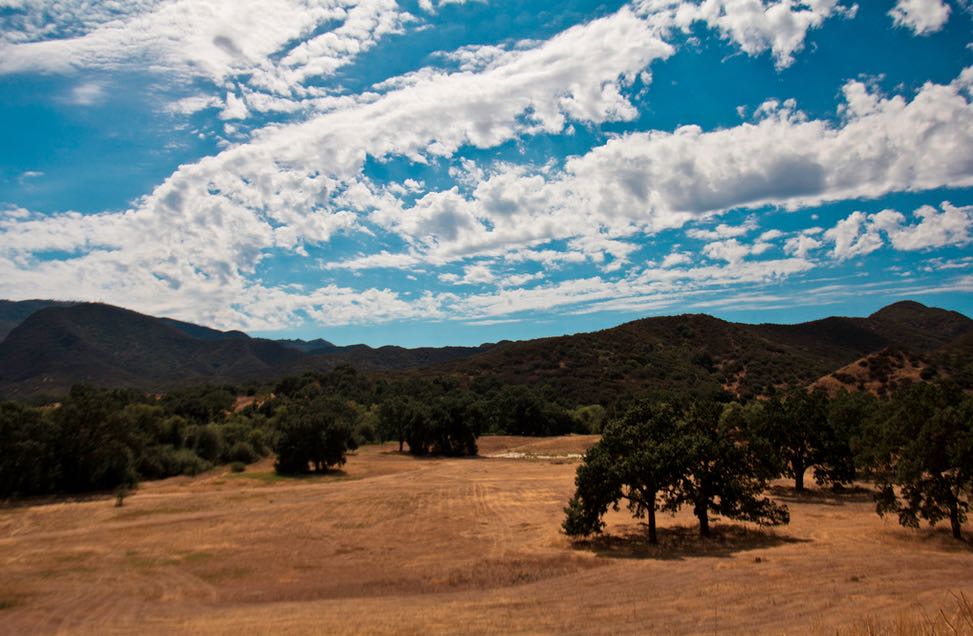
{"points": [[58, 346]]}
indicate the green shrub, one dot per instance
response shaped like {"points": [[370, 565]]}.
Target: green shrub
{"points": [[186, 462], [242, 452]]}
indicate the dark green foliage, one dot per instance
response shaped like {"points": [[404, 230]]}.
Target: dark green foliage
{"points": [[723, 472], [396, 417], [202, 404], [847, 413], [313, 435], [206, 442], [99, 440], [799, 432], [28, 464], [444, 427], [923, 445], [96, 447], [242, 453], [637, 459], [661, 457], [589, 419], [518, 410]]}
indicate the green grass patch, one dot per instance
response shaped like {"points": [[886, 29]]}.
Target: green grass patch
{"points": [[273, 477], [196, 557]]}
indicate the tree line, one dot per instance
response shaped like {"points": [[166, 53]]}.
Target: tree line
{"points": [[719, 457], [657, 454], [99, 439]]}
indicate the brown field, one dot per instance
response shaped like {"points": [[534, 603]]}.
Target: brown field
{"points": [[395, 544]]}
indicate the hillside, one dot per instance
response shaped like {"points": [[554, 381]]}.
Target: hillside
{"points": [[700, 353], [14, 312], [108, 346], [878, 373], [57, 346]]}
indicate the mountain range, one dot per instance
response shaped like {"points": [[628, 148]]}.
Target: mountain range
{"points": [[49, 345]]}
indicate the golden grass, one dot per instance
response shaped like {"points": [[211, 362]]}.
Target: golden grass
{"points": [[403, 545]]}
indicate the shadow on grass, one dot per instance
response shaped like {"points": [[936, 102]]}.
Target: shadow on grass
{"points": [[824, 497], [938, 537], [682, 542], [273, 477], [35, 501]]}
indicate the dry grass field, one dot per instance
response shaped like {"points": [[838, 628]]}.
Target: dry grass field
{"points": [[395, 544]]}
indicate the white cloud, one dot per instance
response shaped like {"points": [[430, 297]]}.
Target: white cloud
{"points": [[211, 39], [771, 235], [724, 231], [755, 25], [431, 6], [235, 108], [801, 245], [922, 16], [193, 104], [731, 251], [674, 259], [853, 237], [87, 94], [859, 234]]}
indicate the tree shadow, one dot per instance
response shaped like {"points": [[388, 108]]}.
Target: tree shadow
{"points": [[938, 537], [824, 497], [682, 542], [36, 501]]}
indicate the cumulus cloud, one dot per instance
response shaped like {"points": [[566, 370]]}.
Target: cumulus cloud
{"points": [[754, 25], [271, 44], [648, 182], [922, 16], [801, 245], [860, 234]]}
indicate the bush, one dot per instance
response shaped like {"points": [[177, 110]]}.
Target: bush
{"points": [[313, 434], [205, 442], [238, 467], [185, 462], [242, 452]]}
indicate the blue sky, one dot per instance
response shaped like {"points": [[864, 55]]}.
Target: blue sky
{"points": [[456, 172]]}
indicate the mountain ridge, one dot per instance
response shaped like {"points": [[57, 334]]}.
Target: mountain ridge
{"points": [[61, 344]]}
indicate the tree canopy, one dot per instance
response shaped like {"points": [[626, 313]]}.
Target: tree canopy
{"points": [[661, 457]]}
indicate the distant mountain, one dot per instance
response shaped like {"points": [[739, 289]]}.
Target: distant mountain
{"points": [[59, 345], [14, 312], [203, 333], [56, 347], [318, 345]]}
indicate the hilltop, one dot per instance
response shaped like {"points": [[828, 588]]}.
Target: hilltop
{"points": [[55, 345]]}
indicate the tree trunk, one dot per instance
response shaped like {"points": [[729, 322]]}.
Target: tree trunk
{"points": [[703, 515], [799, 469], [653, 539], [954, 519], [401, 441]]}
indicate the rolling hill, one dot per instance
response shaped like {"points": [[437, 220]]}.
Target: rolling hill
{"points": [[57, 346]]}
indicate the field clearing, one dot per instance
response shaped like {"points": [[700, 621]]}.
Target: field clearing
{"points": [[395, 544]]}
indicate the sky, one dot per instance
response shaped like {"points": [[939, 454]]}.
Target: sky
{"points": [[446, 172]]}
